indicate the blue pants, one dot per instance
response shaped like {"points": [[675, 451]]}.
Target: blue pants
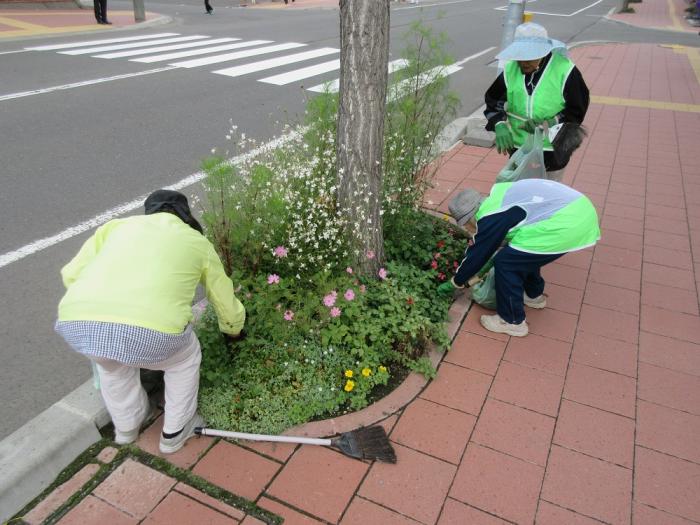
{"points": [[517, 272]]}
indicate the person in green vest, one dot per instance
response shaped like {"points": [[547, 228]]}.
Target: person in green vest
{"points": [[128, 305], [530, 223], [538, 85]]}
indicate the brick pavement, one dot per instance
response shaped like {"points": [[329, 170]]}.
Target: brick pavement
{"points": [[657, 14], [593, 418]]}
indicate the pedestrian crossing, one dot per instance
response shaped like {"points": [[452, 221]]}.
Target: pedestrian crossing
{"points": [[202, 51]]}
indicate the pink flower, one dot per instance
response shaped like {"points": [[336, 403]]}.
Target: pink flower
{"points": [[382, 273], [441, 276], [288, 315], [273, 278], [363, 288], [280, 251], [370, 254], [433, 264], [348, 269], [349, 294], [335, 311], [329, 300]]}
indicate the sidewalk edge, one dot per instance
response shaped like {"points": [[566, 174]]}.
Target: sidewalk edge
{"points": [[33, 455]]}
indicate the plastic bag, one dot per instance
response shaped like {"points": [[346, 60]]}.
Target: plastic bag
{"points": [[484, 292], [527, 162]]}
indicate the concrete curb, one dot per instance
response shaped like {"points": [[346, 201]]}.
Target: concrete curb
{"points": [[663, 29], [33, 455]]}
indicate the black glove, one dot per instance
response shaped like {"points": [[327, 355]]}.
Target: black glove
{"points": [[231, 339]]}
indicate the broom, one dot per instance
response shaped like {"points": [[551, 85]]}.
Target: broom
{"points": [[363, 443]]}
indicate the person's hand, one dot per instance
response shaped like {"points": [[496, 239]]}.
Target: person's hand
{"points": [[504, 138], [446, 289], [234, 338]]}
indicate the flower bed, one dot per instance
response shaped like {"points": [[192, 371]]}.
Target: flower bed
{"points": [[322, 339]]}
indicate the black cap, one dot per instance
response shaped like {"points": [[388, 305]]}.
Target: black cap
{"points": [[174, 202]]}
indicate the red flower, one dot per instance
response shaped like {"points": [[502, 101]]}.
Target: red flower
{"points": [[441, 244], [441, 276], [433, 264], [437, 256], [455, 265], [410, 300]]}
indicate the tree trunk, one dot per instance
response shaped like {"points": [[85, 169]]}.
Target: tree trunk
{"points": [[364, 54]]}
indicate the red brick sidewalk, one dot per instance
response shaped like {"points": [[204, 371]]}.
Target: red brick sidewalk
{"points": [[658, 14], [593, 418]]}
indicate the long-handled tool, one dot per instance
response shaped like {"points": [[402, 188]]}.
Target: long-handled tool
{"points": [[363, 443]]}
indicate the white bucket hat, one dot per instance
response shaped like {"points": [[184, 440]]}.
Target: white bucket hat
{"points": [[465, 205], [530, 42]]}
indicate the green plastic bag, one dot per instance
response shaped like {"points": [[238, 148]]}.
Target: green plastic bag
{"points": [[484, 292], [527, 162]]}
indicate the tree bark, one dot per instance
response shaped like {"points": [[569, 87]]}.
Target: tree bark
{"points": [[364, 54]]}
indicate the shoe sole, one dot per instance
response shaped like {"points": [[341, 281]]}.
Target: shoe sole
{"points": [[512, 334], [198, 421], [536, 306]]}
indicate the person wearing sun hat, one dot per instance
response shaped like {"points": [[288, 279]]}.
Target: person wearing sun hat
{"points": [[539, 84], [533, 222]]}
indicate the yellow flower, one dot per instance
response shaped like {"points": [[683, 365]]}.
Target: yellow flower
{"points": [[382, 369], [445, 217], [348, 373], [349, 385], [366, 372]]}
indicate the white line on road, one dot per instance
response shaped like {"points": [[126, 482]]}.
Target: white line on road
{"points": [[475, 55], [300, 74], [54, 47], [334, 86], [97, 220], [172, 47], [81, 84], [417, 6], [237, 71], [233, 56], [13, 52], [503, 8], [196, 52], [132, 45]]}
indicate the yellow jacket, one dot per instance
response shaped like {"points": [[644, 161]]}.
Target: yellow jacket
{"points": [[144, 271]]}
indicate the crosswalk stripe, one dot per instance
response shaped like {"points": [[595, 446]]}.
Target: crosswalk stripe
{"points": [[172, 47], [262, 65], [300, 74], [334, 85], [182, 54], [399, 89], [233, 56], [54, 47], [100, 49]]}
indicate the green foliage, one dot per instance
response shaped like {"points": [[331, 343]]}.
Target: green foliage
{"points": [[319, 338]]}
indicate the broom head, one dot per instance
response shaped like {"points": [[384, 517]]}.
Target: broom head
{"points": [[366, 443]]}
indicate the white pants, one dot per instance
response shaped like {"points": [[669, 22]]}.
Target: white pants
{"points": [[127, 401]]}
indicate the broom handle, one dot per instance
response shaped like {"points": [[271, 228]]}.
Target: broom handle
{"points": [[263, 437]]}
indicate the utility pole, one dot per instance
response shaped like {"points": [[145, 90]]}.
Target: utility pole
{"points": [[622, 6], [139, 11], [513, 18]]}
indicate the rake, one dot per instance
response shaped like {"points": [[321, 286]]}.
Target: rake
{"points": [[363, 443]]}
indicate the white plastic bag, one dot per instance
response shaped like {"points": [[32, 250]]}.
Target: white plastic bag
{"points": [[527, 162]]}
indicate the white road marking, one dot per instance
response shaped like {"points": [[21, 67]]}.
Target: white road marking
{"points": [[300, 74], [233, 56], [475, 55], [172, 47], [334, 85], [13, 52], [503, 8], [100, 49], [417, 6], [112, 213], [97, 42], [183, 54], [81, 84], [262, 65]]}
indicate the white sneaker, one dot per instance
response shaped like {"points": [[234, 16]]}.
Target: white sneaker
{"points": [[124, 438], [170, 445], [494, 323], [538, 302]]}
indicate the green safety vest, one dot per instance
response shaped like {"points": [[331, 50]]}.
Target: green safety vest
{"points": [[558, 218], [546, 101]]}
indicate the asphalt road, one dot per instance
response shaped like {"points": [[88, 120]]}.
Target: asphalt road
{"points": [[69, 155]]}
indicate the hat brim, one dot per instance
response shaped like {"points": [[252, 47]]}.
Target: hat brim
{"points": [[525, 51]]}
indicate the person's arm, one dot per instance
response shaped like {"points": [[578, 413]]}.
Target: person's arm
{"points": [[495, 99], [71, 271], [490, 234], [576, 97], [219, 289]]}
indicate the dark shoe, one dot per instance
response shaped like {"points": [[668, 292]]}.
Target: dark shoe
{"points": [[107, 22]]}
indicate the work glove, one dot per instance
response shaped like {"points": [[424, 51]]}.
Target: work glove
{"points": [[504, 138], [230, 339], [446, 289], [530, 124]]}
